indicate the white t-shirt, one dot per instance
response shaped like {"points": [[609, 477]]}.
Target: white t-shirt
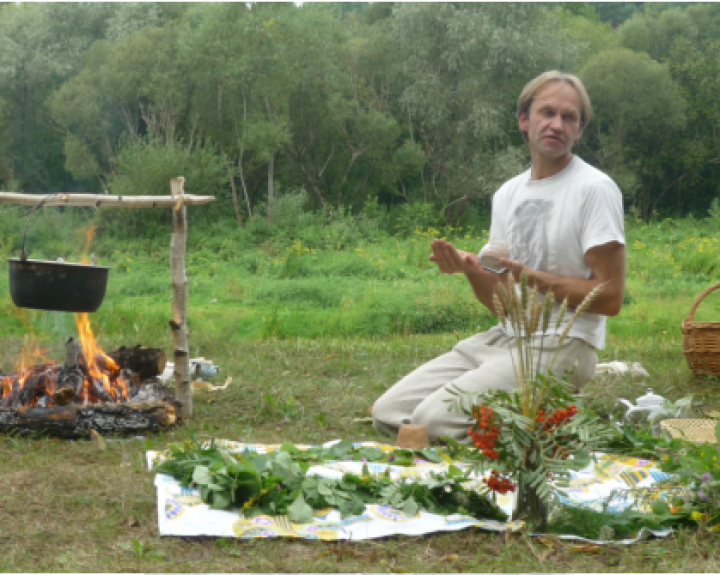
{"points": [[551, 223]]}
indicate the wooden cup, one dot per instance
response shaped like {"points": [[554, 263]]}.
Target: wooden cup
{"points": [[412, 437]]}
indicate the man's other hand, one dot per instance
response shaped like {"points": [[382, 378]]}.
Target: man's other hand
{"points": [[514, 267], [451, 260]]}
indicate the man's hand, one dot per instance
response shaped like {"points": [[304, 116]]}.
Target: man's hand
{"points": [[607, 262], [483, 282], [515, 267], [451, 260]]}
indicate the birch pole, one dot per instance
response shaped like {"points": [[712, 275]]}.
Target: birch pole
{"points": [[178, 324], [95, 201]]}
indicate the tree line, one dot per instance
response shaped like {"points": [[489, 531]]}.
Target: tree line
{"points": [[396, 103]]}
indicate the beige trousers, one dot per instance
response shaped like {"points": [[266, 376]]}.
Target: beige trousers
{"points": [[480, 363]]}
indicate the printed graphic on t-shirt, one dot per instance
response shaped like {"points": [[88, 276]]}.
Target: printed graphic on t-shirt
{"points": [[531, 222]]}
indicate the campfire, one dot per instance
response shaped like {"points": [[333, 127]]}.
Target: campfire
{"points": [[88, 391], [116, 392]]}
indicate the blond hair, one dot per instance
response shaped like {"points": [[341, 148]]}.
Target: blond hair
{"points": [[534, 86]]}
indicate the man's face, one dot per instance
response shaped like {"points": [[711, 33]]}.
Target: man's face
{"points": [[553, 124]]}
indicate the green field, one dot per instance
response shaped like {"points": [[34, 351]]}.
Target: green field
{"points": [[313, 323]]}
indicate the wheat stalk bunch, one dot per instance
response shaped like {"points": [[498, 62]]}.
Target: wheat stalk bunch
{"points": [[520, 307]]}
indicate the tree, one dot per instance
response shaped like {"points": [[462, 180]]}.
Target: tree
{"points": [[588, 35], [585, 10], [617, 12], [236, 54], [639, 111], [42, 46], [130, 86], [685, 38], [464, 65], [312, 50], [654, 33]]}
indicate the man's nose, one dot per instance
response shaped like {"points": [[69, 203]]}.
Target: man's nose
{"points": [[556, 122]]}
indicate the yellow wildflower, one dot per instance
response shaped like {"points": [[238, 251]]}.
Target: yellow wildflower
{"points": [[697, 515]]}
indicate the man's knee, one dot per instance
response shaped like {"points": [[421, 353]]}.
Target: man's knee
{"points": [[382, 414]]}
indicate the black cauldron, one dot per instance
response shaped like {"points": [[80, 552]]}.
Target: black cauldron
{"points": [[57, 286]]}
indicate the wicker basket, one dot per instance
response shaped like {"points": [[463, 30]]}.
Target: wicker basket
{"points": [[695, 430], [701, 340]]}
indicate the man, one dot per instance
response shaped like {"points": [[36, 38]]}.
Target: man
{"points": [[563, 222]]}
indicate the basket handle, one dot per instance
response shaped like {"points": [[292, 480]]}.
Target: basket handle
{"points": [[698, 299]]}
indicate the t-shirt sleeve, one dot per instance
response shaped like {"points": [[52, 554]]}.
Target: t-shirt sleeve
{"points": [[602, 215], [498, 218]]}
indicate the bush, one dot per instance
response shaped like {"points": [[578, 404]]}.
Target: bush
{"points": [[292, 221], [409, 217], [701, 263], [144, 167]]}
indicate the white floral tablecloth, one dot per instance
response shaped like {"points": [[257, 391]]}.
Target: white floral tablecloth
{"points": [[181, 512]]}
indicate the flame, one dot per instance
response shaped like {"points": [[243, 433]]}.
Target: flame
{"points": [[24, 360], [7, 386], [102, 380], [88, 238], [23, 317], [94, 355], [24, 369]]}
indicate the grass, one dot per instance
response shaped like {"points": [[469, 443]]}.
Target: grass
{"points": [[98, 507], [311, 340]]}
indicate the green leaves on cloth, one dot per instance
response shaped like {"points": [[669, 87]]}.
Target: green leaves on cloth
{"points": [[277, 483]]}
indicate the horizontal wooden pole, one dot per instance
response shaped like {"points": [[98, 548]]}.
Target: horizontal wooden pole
{"points": [[102, 200]]}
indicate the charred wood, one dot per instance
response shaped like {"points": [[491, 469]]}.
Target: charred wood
{"points": [[144, 361], [75, 421]]}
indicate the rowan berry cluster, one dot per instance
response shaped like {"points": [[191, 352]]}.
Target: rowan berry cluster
{"points": [[558, 417], [484, 434], [498, 483]]}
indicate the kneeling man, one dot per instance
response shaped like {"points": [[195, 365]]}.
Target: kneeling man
{"points": [[563, 223]]}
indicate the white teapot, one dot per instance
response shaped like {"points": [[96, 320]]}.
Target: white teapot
{"points": [[651, 405]]}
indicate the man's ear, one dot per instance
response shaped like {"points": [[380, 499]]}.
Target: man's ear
{"points": [[523, 121], [580, 133]]}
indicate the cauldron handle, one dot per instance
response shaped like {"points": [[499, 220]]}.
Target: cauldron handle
{"points": [[24, 254]]}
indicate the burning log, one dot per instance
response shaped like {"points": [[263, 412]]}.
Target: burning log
{"points": [[69, 400], [76, 421], [37, 385], [70, 380], [33, 384], [78, 381], [144, 361]]}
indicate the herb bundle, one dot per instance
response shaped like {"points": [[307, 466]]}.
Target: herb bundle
{"points": [[537, 433]]}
